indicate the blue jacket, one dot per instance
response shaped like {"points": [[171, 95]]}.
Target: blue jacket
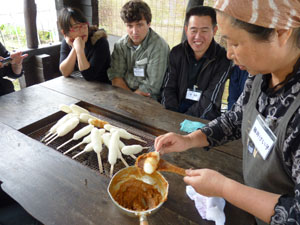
{"points": [[236, 85]]}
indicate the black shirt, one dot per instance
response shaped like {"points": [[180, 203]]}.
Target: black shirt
{"points": [[194, 70], [98, 56]]}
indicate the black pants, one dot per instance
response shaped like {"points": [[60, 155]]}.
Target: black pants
{"points": [[11, 213], [6, 86]]}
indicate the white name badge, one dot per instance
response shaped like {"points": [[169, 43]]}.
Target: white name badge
{"points": [[193, 95], [138, 72], [262, 137]]}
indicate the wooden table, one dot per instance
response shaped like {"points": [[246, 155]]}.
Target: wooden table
{"points": [[58, 190]]}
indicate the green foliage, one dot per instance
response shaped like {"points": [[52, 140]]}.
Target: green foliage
{"points": [[15, 36], [16, 84], [45, 37]]}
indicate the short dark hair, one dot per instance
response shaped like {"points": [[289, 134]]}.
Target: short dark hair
{"points": [[65, 15], [135, 10], [297, 36], [259, 33], [201, 11], [262, 33]]}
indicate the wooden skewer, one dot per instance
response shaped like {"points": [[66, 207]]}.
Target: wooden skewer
{"points": [[138, 139], [66, 152], [123, 160], [52, 140], [133, 156], [47, 135], [87, 148], [100, 163], [62, 145], [53, 129], [78, 154], [77, 135], [52, 136], [85, 140], [111, 170]]}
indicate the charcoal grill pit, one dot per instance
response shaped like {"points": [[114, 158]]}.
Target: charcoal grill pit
{"points": [[38, 130]]}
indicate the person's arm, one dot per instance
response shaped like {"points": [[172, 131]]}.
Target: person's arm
{"points": [[79, 45], [139, 92], [172, 142], [16, 63], [287, 208], [155, 70], [67, 57], [254, 201], [208, 107], [17, 68], [211, 183], [170, 89], [13, 69], [119, 82], [118, 67], [4, 69], [99, 62]]}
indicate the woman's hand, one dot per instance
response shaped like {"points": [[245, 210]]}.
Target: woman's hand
{"points": [[139, 92], [171, 142], [17, 58], [69, 41], [206, 181], [79, 44]]}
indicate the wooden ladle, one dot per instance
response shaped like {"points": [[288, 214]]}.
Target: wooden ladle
{"points": [[162, 165]]}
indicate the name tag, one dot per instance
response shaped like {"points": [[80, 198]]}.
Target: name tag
{"points": [[193, 95], [262, 137], [138, 72]]}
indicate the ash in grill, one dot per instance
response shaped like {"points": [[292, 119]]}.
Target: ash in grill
{"points": [[89, 159]]}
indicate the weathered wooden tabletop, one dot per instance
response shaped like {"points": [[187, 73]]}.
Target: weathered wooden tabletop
{"points": [[58, 190]]}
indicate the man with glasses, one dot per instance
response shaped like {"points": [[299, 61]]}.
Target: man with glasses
{"points": [[84, 48], [139, 59]]}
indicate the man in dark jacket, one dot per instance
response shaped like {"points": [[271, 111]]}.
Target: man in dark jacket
{"points": [[198, 68]]}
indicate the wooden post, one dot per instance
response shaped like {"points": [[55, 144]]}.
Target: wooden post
{"points": [[30, 23], [191, 4], [59, 5], [95, 12]]}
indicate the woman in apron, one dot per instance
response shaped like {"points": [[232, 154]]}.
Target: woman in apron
{"points": [[263, 37]]}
